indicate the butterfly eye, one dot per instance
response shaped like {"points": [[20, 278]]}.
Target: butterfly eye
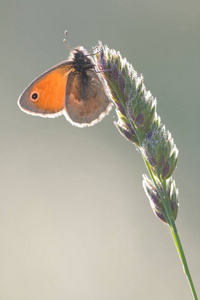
{"points": [[34, 97]]}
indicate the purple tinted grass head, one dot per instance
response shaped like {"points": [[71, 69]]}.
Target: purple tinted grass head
{"points": [[139, 123], [154, 197]]}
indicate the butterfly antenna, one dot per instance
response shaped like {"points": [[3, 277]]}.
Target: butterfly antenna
{"points": [[94, 48], [66, 41]]}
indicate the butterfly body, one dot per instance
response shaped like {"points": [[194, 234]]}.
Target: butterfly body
{"points": [[72, 88]]}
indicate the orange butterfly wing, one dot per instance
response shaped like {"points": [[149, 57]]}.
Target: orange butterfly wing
{"points": [[45, 96]]}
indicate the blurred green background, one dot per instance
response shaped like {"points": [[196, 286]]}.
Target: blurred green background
{"points": [[75, 222]]}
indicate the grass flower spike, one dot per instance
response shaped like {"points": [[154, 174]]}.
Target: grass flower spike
{"points": [[139, 123]]}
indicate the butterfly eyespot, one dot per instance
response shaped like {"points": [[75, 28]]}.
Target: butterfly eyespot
{"points": [[34, 97]]}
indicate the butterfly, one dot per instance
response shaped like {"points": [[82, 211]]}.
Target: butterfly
{"points": [[73, 88]]}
